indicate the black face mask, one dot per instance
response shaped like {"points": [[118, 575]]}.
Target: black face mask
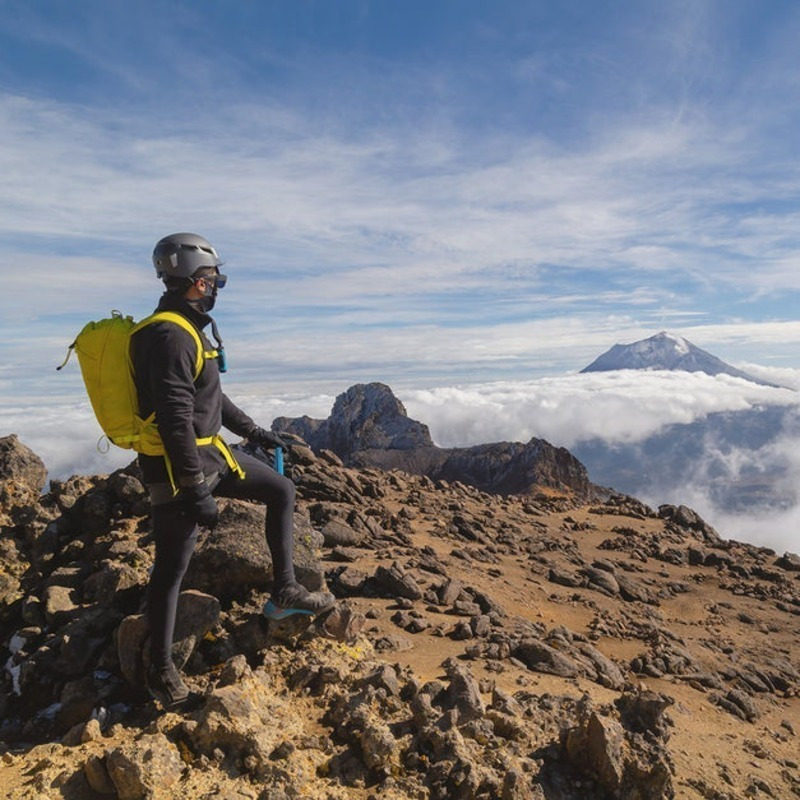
{"points": [[206, 303]]}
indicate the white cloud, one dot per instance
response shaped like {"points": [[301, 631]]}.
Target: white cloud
{"points": [[782, 376], [624, 406], [66, 436]]}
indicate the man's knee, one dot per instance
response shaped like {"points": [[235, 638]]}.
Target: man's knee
{"points": [[288, 492]]}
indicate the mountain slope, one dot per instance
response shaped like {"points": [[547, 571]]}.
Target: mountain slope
{"points": [[485, 647], [666, 351]]}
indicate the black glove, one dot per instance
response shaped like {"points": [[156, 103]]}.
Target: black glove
{"points": [[200, 504], [268, 439]]}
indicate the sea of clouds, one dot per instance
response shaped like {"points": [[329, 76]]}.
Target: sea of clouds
{"points": [[622, 407]]}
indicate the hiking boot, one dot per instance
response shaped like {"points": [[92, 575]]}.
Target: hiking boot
{"points": [[296, 599], [166, 686]]}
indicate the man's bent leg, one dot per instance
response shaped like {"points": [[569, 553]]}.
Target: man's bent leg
{"points": [[261, 483], [278, 493]]}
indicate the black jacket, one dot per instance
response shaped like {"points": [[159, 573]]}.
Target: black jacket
{"points": [[163, 357]]}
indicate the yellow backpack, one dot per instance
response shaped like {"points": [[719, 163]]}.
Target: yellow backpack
{"points": [[103, 349]]}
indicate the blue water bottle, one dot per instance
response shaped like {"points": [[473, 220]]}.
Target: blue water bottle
{"points": [[279, 460]]}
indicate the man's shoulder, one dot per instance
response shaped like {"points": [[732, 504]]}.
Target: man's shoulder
{"points": [[167, 327], [166, 337]]}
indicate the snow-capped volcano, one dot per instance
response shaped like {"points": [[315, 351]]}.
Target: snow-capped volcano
{"points": [[666, 351]]}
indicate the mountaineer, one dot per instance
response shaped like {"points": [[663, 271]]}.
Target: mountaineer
{"points": [[190, 409]]}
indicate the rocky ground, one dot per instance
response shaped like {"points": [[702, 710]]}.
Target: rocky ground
{"points": [[484, 647]]}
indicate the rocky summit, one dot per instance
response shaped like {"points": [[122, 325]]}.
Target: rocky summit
{"points": [[369, 427], [484, 645]]}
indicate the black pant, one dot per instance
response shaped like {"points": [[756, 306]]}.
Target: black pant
{"points": [[175, 535]]}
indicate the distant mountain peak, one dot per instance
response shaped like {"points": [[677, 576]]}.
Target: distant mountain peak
{"points": [[666, 351], [680, 344]]}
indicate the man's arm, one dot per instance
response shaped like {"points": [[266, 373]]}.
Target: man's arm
{"points": [[235, 420]]}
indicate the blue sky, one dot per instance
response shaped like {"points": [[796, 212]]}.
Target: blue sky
{"points": [[413, 192]]}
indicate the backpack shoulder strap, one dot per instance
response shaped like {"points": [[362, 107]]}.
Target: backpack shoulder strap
{"points": [[181, 321]]}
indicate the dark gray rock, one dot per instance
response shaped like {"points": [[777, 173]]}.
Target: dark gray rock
{"points": [[685, 517], [368, 426], [597, 747], [463, 692], [365, 417], [540, 657], [565, 578], [234, 559], [739, 704], [449, 591], [396, 582], [343, 623], [633, 590], [644, 711], [607, 673], [789, 561], [624, 762], [197, 614], [602, 581], [465, 608], [337, 532], [347, 581]]}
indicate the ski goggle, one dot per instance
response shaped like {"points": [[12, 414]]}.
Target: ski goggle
{"points": [[218, 280]]}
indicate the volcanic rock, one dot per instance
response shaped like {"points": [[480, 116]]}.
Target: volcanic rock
{"points": [[145, 768], [197, 614], [396, 582], [541, 657], [22, 478], [365, 417], [234, 559], [623, 761]]}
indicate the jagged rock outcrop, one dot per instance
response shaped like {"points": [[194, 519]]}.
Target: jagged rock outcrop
{"points": [[623, 748], [22, 478], [369, 427], [365, 417]]}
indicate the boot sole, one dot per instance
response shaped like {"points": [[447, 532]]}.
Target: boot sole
{"points": [[273, 612]]}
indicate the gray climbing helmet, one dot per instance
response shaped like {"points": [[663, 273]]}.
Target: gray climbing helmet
{"points": [[180, 255]]}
